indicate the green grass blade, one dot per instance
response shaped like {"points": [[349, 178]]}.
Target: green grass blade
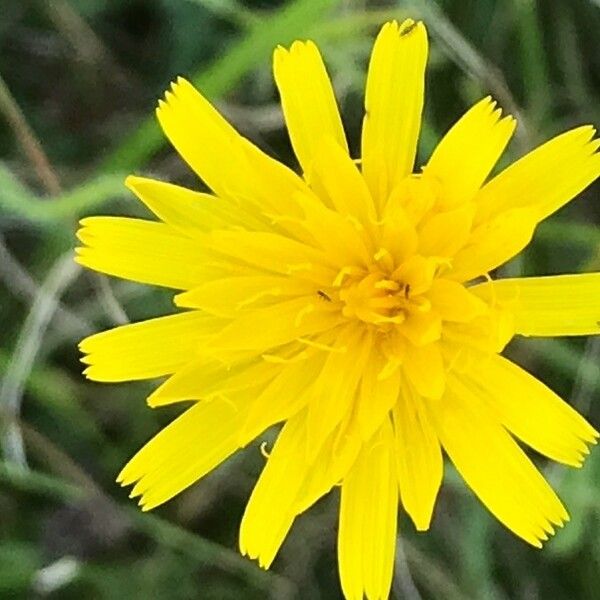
{"points": [[253, 49]]}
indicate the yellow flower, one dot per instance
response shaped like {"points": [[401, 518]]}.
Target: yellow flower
{"points": [[353, 304]]}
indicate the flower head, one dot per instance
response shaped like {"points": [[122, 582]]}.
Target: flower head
{"points": [[355, 305]]}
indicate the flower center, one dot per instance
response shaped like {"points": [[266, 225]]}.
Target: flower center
{"points": [[382, 298], [375, 299]]}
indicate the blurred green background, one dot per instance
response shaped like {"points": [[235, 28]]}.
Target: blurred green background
{"points": [[78, 84]]}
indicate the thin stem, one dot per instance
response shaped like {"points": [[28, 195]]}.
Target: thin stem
{"points": [[17, 279], [88, 47], [109, 301], [23, 358], [28, 141]]}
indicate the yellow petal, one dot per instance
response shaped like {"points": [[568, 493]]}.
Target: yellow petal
{"points": [[548, 306], [398, 235], [204, 378], [424, 367], [417, 273], [333, 391], [445, 233], [147, 349], [330, 466], [272, 508], [189, 211], [230, 295], [418, 457], [489, 332], [493, 243], [533, 412], [546, 178], [422, 328], [340, 237], [270, 511], [142, 251], [229, 164], [282, 397], [377, 396], [270, 251], [393, 106], [417, 195], [340, 181], [281, 323], [368, 513], [494, 467], [191, 446], [307, 99], [468, 152], [454, 302]]}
